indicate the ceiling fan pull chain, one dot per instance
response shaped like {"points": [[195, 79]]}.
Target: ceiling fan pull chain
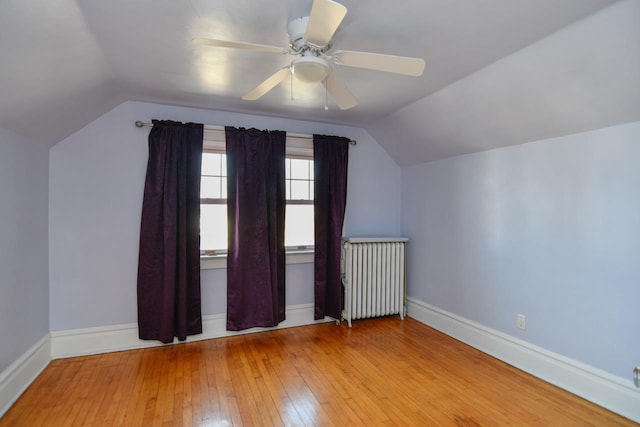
{"points": [[326, 96], [291, 80]]}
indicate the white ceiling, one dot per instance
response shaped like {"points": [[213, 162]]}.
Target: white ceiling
{"points": [[65, 62]]}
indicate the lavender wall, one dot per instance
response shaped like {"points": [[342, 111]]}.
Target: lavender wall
{"points": [[24, 291], [549, 229], [96, 184]]}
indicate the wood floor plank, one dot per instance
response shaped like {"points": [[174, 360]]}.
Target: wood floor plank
{"points": [[384, 372]]}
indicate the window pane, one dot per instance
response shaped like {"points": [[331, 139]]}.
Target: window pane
{"points": [[299, 190], [213, 227], [298, 227], [210, 187], [211, 163], [299, 169]]}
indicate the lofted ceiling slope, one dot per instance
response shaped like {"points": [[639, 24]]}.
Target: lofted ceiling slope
{"points": [[66, 62], [585, 76]]}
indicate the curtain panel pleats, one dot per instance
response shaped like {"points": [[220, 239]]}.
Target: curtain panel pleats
{"points": [[330, 158], [168, 286], [169, 300], [256, 213]]}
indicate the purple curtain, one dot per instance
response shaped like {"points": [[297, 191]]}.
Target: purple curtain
{"points": [[256, 208], [330, 158], [169, 257]]}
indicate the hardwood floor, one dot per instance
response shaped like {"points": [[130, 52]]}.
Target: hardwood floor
{"points": [[382, 372]]}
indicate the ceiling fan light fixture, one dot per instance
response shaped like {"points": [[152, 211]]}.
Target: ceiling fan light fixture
{"points": [[310, 69]]}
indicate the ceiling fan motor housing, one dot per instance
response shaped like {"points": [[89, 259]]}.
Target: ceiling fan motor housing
{"points": [[297, 29]]}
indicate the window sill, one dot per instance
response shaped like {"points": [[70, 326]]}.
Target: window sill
{"points": [[215, 262]]}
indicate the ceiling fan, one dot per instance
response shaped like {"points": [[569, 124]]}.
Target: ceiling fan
{"points": [[310, 41]]}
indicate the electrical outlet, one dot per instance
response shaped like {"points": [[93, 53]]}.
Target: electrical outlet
{"points": [[522, 321], [636, 376]]}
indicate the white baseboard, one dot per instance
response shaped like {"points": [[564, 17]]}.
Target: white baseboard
{"points": [[81, 342], [20, 374], [593, 384]]}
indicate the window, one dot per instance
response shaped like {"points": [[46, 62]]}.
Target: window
{"points": [[298, 227], [299, 230], [213, 203]]}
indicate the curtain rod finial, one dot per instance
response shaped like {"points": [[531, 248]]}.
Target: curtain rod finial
{"points": [[139, 124]]}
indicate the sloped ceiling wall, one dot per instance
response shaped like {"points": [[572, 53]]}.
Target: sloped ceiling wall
{"points": [[584, 77], [67, 62], [54, 77]]}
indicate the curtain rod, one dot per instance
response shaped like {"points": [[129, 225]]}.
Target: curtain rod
{"points": [[140, 124]]}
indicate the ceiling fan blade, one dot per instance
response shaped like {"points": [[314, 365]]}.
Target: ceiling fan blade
{"points": [[240, 45], [377, 61], [324, 19], [271, 82], [339, 91]]}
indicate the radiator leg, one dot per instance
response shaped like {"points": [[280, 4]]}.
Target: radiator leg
{"points": [[346, 317]]}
